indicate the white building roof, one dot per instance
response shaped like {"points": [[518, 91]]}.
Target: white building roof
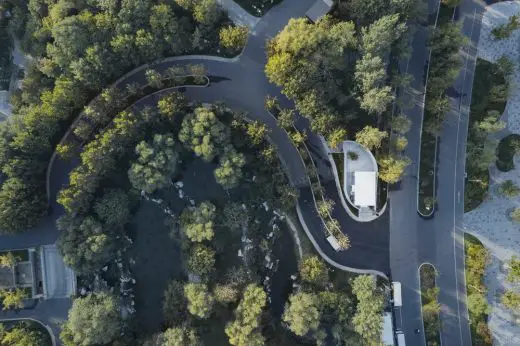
{"points": [[365, 189]]}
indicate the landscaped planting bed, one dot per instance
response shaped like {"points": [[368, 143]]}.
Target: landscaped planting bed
{"points": [[476, 259], [257, 7], [430, 305], [488, 101]]}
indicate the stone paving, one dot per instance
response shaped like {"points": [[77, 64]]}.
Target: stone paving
{"points": [[490, 222]]}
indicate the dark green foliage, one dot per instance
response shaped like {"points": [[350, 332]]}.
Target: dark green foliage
{"points": [[93, 320], [81, 48], [174, 304], [508, 147], [481, 151], [505, 30]]}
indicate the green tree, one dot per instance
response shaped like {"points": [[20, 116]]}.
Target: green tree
{"points": [[13, 299], [509, 189], [84, 243], [8, 260], [245, 329], [206, 12], [286, 118], [400, 143], [391, 168], [156, 163], [198, 223], [337, 137], [478, 305], [23, 334], [203, 133], [313, 270], [225, 294], [302, 313], [114, 207], [514, 270], [511, 300], [256, 131], [174, 304], [401, 124], [306, 60], [370, 137], [229, 171], [233, 38], [325, 207], [201, 260], [154, 79], [180, 336], [22, 205], [368, 319], [200, 301], [93, 320]]}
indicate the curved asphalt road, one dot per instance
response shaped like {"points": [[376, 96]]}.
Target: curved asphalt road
{"points": [[242, 84]]}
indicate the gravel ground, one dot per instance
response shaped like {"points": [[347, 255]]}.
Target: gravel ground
{"points": [[490, 221]]}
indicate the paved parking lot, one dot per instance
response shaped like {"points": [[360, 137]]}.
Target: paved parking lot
{"points": [[59, 281]]}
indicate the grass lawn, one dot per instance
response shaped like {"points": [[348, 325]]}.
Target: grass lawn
{"points": [[430, 306], [476, 259], [477, 182], [508, 147], [257, 7]]}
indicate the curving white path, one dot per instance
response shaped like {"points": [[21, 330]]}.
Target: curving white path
{"points": [[490, 221]]}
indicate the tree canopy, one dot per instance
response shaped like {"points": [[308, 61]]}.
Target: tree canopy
{"points": [[94, 319], [155, 163]]}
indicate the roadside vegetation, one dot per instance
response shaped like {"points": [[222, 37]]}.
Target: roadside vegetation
{"points": [[477, 258], [430, 305], [488, 101], [445, 64], [77, 53]]}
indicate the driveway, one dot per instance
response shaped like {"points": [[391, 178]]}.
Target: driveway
{"points": [[59, 281]]}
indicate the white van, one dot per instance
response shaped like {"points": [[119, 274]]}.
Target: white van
{"points": [[400, 339], [396, 286]]}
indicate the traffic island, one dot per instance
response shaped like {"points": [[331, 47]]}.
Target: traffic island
{"points": [[429, 304], [445, 64]]}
